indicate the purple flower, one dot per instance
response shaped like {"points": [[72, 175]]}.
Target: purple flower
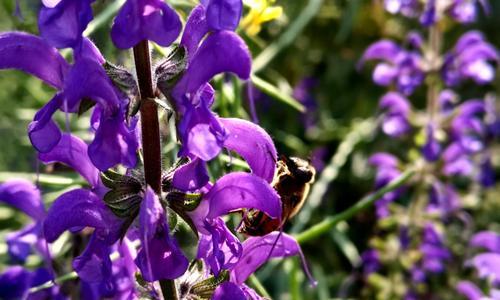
{"points": [[443, 198], [486, 239], [387, 170], [85, 79], [201, 130], [434, 253], [462, 11], [487, 266], [469, 290], [16, 281], [398, 66], [223, 14], [160, 257], [465, 11], [471, 58], [396, 110], [218, 246], [140, 20], [257, 250], [468, 127], [447, 102], [23, 195], [371, 261], [431, 149], [408, 8], [62, 24], [456, 161]]}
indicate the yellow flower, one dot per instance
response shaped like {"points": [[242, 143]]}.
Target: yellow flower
{"points": [[261, 11]]}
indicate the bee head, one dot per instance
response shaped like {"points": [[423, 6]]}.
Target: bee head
{"points": [[301, 169]]}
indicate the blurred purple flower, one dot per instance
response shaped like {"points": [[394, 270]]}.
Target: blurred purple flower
{"points": [[468, 128], [398, 66], [395, 118], [470, 290], [431, 149], [486, 239], [434, 253], [443, 198], [371, 261], [23, 195], [471, 58], [408, 8], [462, 11], [387, 170], [16, 281], [456, 161]]}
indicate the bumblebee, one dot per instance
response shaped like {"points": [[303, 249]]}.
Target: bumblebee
{"points": [[292, 182]]}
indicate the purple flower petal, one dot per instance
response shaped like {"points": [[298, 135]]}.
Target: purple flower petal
{"points": [[140, 20], [191, 176], [394, 102], [20, 243], [32, 55], [253, 144], [488, 266], [383, 160], [160, 257], [242, 190], [72, 151], [469, 290], [62, 25], [44, 133], [257, 250], [431, 149], [195, 29], [203, 142], [79, 208], [220, 248], [228, 291], [222, 51], [384, 74], [14, 283], [87, 79], [487, 239], [385, 50], [24, 196], [94, 264], [114, 143], [50, 3], [88, 50], [224, 14]]}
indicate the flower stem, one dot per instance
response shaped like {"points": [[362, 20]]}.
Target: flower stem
{"points": [[433, 56], [328, 223], [151, 144]]}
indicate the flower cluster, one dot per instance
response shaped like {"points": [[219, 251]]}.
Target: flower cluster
{"points": [[430, 12], [452, 138], [130, 223]]}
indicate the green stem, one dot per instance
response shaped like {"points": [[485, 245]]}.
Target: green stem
{"points": [[359, 133], [255, 282], [274, 92], [327, 224]]}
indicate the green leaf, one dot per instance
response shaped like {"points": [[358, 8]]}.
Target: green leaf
{"points": [[275, 93]]}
